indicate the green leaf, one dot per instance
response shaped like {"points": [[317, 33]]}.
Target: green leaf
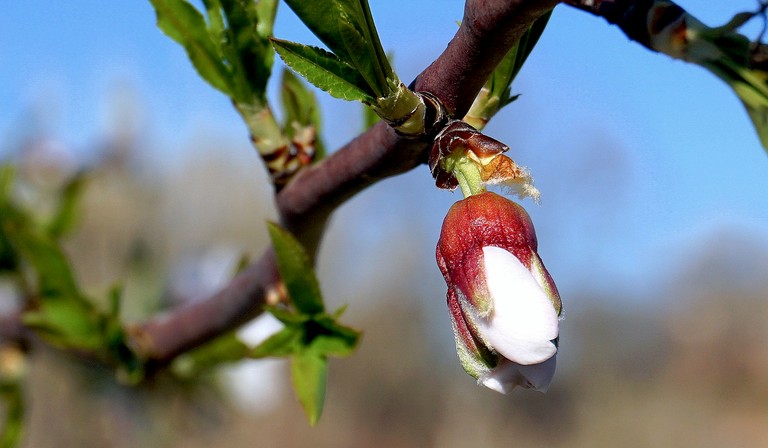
{"points": [[67, 322], [348, 29], [283, 343], [249, 52], [497, 91], [751, 86], [365, 50], [338, 340], [66, 215], [325, 71], [296, 271], [309, 372], [224, 349], [13, 428], [299, 103], [183, 23], [54, 274], [266, 10], [507, 70], [7, 174], [334, 345], [370, 117], [288, 317]]}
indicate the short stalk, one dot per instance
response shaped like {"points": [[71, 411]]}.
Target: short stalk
{"points": [[467, 172]]}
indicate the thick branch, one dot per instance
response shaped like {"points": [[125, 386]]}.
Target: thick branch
{"points": [[489, 28]]}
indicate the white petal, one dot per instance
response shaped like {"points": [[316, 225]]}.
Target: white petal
{"points": [[524, 321], [508, 375]]}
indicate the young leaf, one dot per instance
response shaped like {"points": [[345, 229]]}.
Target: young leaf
{"points": [[339, 340], [347, 28], [54, 274], [184, 24], [67, 213], [299, 103], [296, 271], [224, 349], [250, 53], [325, 71], [12, 430], [265, 11], [497, 91], [283, 343], [67, 322], [301, 110], [334, 345], [370, 118], [521, 52], [750, 86], [288, 317], [364, 49], [309, 372]]}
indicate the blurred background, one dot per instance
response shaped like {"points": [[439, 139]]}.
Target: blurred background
{"points": [[653, 222]]}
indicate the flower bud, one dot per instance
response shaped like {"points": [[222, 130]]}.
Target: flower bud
{"points": [[503, 304]]}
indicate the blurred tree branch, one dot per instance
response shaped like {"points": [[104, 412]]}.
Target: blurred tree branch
{"points": [[11, 328], [488, 29]]}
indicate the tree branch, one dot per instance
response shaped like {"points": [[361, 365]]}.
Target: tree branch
{"points": [[660, 26], [489, 28], [12, 329]]}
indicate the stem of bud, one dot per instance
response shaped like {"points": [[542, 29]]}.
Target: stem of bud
{"points": [[467, 172]]}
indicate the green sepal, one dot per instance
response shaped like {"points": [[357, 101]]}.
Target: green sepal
{"points": [[296, 271], [325, 71]]}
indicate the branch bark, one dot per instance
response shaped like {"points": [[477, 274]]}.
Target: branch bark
{"points": [[489, 28], [12, 329]]}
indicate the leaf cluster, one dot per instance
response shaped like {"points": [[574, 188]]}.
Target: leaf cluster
{"points": [[228, 46], [57, 309], [356, 68], [310, 335]]}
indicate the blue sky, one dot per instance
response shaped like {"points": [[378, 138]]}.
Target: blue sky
{"points": [[640, 159]]}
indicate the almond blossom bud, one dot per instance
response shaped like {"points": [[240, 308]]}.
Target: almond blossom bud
{"points": [[504, 306]]}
